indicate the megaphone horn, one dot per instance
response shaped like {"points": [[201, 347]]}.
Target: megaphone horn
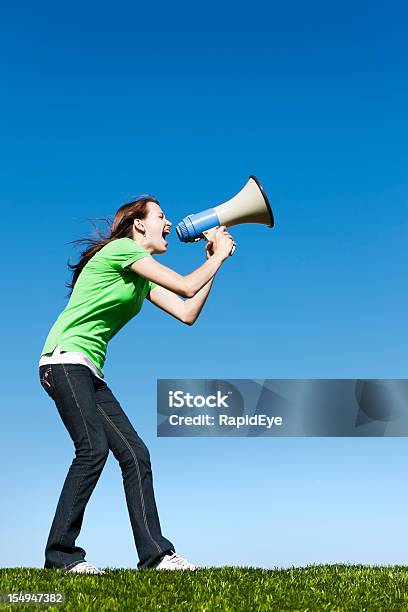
{"points": [[250, 205]]}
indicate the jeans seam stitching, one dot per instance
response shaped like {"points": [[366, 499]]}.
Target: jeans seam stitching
{"points": [[84, 467], [72, 507], [79, 407], [138, 474]]}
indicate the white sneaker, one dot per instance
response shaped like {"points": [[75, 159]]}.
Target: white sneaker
{"points": [[173, 561], [85, 568]]}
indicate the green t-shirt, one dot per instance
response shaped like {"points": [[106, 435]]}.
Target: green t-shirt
{"points": [[105, 297]]}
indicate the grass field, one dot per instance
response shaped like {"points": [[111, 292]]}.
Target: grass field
{"points": [[316, 587]]}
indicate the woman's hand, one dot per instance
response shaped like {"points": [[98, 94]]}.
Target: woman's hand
{"points": [[189, 285], [221, 245]]}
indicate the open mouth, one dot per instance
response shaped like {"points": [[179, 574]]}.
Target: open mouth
{"points": [[165, 233]]}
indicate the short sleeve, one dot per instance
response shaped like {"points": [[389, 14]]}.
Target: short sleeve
{"points": [[152, 285], [123, 252]]}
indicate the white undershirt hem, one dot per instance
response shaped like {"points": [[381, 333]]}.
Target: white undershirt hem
{"points": [[69, 357]]}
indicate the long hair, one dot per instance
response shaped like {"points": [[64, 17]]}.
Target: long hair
{"points": [[120, 227]]}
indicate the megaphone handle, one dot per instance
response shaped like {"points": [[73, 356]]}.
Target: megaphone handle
{"points": [[210, 234]]}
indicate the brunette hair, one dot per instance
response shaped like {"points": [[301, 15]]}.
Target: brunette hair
{"points": [[120, 227]]}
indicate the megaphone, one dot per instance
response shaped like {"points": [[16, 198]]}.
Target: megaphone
{"points": [[250, 205]]}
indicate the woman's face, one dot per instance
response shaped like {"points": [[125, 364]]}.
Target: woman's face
{"points": [[157, 227]]}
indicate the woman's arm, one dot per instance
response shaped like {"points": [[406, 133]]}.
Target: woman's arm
{"points": [[186, 311], [186, 286]]}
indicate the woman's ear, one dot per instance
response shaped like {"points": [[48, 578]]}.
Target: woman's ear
{"points": [[139, 225]]}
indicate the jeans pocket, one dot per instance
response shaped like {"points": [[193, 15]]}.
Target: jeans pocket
{"points": [[46, 380]]}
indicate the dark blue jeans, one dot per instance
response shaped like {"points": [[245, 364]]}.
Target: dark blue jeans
{"points": [[96, 423]]}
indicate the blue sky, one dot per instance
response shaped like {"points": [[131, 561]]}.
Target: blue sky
{"points": [[103, 101]]}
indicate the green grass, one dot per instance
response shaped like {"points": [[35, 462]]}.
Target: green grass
{"points": [[316, 587]]}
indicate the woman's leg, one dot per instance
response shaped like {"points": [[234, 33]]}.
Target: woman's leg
{"points": [[72, 388], [134, 460]]}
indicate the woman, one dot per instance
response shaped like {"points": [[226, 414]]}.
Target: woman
{"points": [[109, 283]]}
